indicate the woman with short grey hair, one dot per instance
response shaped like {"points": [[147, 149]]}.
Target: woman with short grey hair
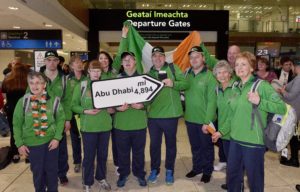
{"points": [[223, 72]]}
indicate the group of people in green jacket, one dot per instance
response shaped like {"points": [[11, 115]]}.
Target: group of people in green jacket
{"points": [[38, 130]]}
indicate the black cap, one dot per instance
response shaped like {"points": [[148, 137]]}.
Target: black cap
{"points": [[158, 49], [124, 54], [51, 53], [196, 49]]}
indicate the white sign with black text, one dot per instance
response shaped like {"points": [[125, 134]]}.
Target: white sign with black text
{"points": [[116, 92]]}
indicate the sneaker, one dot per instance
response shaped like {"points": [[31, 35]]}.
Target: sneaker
{"points": [[152, 178], [224, 186], [16, 159], [291, 162], [104, 185], [205, 178], [4, 134], [142, 181], [191, 174], [27, 160], [283, 160], [298, 188], [77, 168], [64, 180], [220, 166], [169, 177], [121, 181], [116, 171], [87, 188]]}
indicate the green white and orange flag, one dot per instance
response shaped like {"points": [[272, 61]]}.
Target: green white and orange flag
{"points": [[142, 50]]}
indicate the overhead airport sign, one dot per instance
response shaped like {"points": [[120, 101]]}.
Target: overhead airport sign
{"points": [[30, 39], [116, 92]]}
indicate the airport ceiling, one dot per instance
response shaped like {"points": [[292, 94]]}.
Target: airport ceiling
{"points": [[15, 15], [181, 4]]}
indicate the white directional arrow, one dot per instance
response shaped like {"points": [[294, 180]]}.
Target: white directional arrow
{"points": [[116, 92]]}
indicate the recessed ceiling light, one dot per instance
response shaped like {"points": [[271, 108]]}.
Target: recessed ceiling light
{"points": [[64, 43], [68, 35], [48, 25], [16, 27], [13, 8]]}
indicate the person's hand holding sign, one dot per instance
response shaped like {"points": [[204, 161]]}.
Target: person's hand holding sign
{"points": [[168, 82], [137, 105], [123, 107], [91, 111]]}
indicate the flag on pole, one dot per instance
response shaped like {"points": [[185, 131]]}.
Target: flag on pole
{"points": [[142, 50]]}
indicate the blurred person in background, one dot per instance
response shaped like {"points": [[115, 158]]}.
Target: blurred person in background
{"points": [[13, 88], [263, 70]]}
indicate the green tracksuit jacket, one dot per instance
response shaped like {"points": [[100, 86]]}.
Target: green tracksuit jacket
{"points": [[131, 119], [72, 83], [167, 103], [241, 130], [224, 98], [55, 89], [100, 122], [200, 97], [23, 125]]}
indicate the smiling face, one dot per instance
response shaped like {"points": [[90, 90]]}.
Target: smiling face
{"points": [[37, 85], [104, 61], [223, 75], [158, 60], [196, 60], [232, 53], [128, 63], [243, 68]]}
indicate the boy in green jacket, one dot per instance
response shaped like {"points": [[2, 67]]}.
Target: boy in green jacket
{"points": [[163, 114], [38, 125], [57, 86], [95, 127], [130, 123]]}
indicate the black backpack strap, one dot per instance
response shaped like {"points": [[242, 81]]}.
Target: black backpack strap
{"points": [[55, 106], [255, 112], [171, 66], [26, 102], [83, 86], [64, 85]]}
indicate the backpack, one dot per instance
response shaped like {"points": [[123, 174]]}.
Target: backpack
{"points": [[279, 129], [26, 103], [5, 156]]}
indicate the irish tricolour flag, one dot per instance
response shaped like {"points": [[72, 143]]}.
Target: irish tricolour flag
{"points": [[142, 50]]}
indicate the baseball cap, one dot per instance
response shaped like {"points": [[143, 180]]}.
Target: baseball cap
{"points": [[196, 49], [158, 49], [51, 53], [124, 54]]}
